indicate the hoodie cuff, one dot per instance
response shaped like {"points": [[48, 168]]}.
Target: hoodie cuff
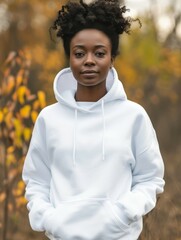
{"points": [[46, 216]]}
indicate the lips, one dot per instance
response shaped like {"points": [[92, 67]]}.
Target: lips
{"points": [[89, 72]]}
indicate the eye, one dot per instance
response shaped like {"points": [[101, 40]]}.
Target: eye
{"points": [[100, 54], [79, 54]]}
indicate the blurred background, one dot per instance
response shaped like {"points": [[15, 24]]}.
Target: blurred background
{"points": [[149, 65]]}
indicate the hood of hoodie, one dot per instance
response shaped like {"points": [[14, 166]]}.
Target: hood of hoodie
{"points": [[65, 86]]}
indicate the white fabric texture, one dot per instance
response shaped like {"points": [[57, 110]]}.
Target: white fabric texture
{"points": [[92, 170]]}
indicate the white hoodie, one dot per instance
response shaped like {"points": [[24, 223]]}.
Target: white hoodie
{"points": [[92, 171]]}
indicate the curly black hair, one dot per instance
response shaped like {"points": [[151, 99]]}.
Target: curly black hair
{"points": [[104, 15]]}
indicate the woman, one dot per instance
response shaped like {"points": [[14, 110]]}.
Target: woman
{"points": [[93, 168]]}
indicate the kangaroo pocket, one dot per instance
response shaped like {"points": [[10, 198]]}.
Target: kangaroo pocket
{"points": [[85, 220]]}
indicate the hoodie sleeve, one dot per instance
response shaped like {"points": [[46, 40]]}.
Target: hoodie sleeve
{"points": [[37, 176], [147, 173]]}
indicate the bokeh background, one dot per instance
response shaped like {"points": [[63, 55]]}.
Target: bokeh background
{"points": [[149, 65]]}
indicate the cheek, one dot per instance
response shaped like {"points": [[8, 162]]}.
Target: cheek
{"points": [[107, 65], [71, 63], [74, 67], [74, 63]]}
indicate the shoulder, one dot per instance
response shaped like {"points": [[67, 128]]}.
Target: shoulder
{"points": [[47, 114], [135, 108], [138, 115], [48, 110]]}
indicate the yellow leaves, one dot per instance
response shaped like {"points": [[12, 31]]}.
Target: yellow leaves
{"points": [[6, 116], [10, 149], [10, 159], [5, 110], [19, 109], [41, 98], [10, 84], [18, 193], [18, 126], [1, 116], [36, 105], [18, 132], [19, 189], [27, 133], [21, 201], [14, 96], [21, 132], [34, 115], [24, 95], [25, 111], [19, 80], [8, 120], [21, 93]]}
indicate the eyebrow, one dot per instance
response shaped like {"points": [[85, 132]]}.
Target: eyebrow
{"points": [[96, 46]]}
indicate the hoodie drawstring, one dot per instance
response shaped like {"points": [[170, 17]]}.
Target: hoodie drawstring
{"points": [[74, 140]]}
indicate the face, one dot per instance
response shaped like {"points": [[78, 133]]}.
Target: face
{"points": [[90, 57]]}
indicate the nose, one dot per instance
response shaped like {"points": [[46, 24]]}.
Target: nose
{"points": [[89, 61]]}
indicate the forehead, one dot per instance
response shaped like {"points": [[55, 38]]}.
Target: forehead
{"points": [[90, 37]]}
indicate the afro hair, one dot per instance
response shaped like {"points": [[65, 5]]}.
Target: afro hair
{"points": [[104, 15]]}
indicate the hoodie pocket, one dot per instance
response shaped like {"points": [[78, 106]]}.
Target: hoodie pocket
{"points": [[113, 215], [84, 220]]}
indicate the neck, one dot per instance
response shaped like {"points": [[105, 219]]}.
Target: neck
{"points": [[90, 94]]}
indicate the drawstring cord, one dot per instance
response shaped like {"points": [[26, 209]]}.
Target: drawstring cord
{"points": [[103, 134], [74, 143]]}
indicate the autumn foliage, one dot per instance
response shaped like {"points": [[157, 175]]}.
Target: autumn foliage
{"points": [[18, 111], [150, 70]]}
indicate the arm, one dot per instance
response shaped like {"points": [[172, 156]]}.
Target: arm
{"points": [[147, 173], [37, 176]]}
